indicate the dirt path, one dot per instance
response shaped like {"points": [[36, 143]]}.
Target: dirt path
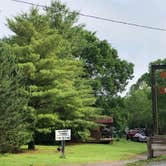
{"points": [[159, 163], [115, 163], [124, 162]]}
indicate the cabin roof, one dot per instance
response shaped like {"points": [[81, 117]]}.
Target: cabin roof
{"points": [[105, 120]]}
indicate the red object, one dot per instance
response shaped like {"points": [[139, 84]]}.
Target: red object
{"points": [[131, 133], [163, 74], [163, 90], [105, 120]]}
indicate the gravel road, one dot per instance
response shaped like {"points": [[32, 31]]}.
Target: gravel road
{"points": [[161, 163], [115, 163], [121, 163], [124, 162]]}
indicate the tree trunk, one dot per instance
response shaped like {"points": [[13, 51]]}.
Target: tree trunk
{"points": [[31, 145]]}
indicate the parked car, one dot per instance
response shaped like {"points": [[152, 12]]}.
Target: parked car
{"points": [[136, 135], [131, 133], [140, 137]]}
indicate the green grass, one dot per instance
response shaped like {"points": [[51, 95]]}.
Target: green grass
{"points": [[145, 162], [82, 153]]}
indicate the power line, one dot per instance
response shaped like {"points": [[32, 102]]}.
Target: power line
{"points": [[30, 3], [123, 22], [100, 18]]}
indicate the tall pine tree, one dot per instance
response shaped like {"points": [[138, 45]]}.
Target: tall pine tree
{"points": [[14, 126], [54, 78]]}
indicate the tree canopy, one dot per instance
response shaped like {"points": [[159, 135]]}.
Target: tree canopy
{"points": [[108, 73], [70, 76]]}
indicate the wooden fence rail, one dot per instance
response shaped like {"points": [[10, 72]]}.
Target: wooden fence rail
{"points": [[155, 143]]}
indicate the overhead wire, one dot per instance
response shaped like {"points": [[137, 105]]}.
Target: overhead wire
{"points": [[100, 18]]}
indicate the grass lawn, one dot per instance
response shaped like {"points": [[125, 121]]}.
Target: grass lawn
{"points": [[82, 153]]}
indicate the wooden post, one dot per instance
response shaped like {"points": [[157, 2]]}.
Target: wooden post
{"points": [[154, 101], [149, 147], [63, 149], [154, 95]]}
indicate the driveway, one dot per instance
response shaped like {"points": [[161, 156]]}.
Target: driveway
{"points": [[124, 162], [159, 163], [115, 163]]}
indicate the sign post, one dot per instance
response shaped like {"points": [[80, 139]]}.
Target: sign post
{"points": [[63, 149], [63, 135], [163, 74], [154, 68], [162, 90]]}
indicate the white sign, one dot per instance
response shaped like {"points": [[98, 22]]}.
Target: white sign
{"points": [[63, 135]]}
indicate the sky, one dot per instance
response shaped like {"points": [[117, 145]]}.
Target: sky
{"points": [[137, 45]]}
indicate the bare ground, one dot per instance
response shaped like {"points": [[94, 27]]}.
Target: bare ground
{"points": [[114, 163], [124, 162]]}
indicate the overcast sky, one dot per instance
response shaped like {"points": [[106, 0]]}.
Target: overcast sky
{"points": [[136, 45]]}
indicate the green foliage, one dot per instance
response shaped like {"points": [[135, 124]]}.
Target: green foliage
{"points": [[138, 108], [110, 74], [68, 74], [145, 80], [14, 126], [107, 72], [119, 113], [54, 78]]}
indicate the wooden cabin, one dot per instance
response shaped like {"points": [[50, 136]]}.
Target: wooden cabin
{"points": [[103, 134]]}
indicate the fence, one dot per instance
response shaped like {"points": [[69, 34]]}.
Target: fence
{"points": [[156, 143]]}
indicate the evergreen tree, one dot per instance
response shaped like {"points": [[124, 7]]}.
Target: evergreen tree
{"points": [[54, 78], [14, 127]]}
